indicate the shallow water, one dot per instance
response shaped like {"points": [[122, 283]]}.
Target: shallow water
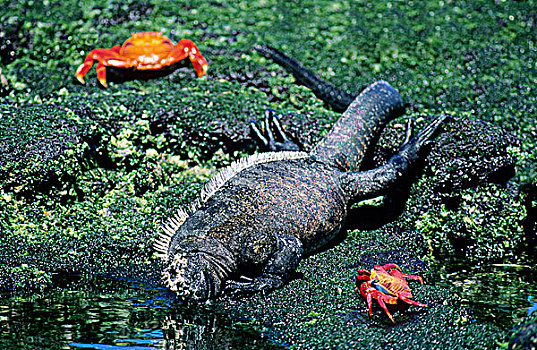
{"points": [[501, 294], [118, 314], [128, 315]]}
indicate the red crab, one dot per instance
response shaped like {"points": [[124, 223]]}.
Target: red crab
{"points": [[143, 51], [386, 286]]}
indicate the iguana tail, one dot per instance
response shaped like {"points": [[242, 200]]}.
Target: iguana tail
{"points": [[339, 100]]}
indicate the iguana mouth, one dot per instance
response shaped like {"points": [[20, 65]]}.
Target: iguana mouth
{"points": [[195, 277], [173, 275]]}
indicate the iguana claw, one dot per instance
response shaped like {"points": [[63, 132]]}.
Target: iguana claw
{"points": [[266, 137]]}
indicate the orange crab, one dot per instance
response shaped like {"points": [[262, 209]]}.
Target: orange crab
{"points": [[386, 286], [143, 51]]}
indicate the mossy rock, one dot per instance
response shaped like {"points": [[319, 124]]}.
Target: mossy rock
{"points": [[482, 224], [40, 149], [524, 335]]}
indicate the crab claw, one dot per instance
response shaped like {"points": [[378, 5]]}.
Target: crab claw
{"points": [[82, 70]]}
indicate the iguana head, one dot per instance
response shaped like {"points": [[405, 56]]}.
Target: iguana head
{"points": [[197, 275]]}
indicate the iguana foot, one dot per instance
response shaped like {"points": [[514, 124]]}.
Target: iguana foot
{"points": [[411, 148], [265, 137]]}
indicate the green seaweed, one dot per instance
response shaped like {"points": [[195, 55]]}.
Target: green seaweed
{"points": [[88, 174]]}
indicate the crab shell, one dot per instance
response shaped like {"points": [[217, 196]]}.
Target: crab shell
{"points": [[143, 51]]}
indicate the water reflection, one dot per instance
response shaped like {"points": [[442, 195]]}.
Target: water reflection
{"points": [[497, 293], [125, 316]]}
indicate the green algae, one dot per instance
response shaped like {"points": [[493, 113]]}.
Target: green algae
{"points": [[483, 225], [87, 174]]}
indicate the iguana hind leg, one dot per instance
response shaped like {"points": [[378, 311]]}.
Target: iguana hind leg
{"points": [[371, 183], [277, 270]]}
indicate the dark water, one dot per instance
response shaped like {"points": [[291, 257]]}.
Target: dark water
{"points": [[127, 315], [502, 294]]}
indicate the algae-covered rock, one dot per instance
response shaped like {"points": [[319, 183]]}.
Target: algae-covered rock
{"points": [[524, 335], [40, 148], [481, 224], [473, 152], [463, 204]]}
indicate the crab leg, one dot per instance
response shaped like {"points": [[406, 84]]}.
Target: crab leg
{"points": [[370, 293], [101, 73], [104, 56], [412, 302], [398, 274], [369, 300], [186, 48], [382, 305]]}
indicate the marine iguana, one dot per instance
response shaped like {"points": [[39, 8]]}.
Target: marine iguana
{"points": [[260, 216]]}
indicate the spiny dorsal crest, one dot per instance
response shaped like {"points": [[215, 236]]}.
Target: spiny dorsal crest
{"points": [[236, 167], [172, 225], [168, 230]]}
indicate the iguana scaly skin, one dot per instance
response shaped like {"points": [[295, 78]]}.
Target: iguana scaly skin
{"points": [[256, 219]]}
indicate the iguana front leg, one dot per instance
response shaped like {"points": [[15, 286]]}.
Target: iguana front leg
{"points": [[266, 138], [277, 270]]}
